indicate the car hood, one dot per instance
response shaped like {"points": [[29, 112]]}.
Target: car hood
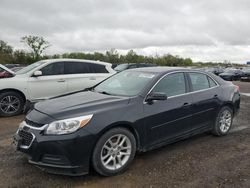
{"points": [[79, 104]]}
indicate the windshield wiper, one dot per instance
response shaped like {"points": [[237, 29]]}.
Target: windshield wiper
{"points": [[102, 92]]}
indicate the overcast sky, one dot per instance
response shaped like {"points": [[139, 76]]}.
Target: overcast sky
{"points": [[205, 30]]}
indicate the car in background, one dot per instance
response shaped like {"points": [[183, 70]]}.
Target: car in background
{"points": [[126, 66], [231, 74], [10, 66], [49, 78], [133, 111], [246, 74], [15, 69], [5, 72], [215, 70]]}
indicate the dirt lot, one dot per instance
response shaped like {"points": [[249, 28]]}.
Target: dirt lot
{"points": [[202, 161]]}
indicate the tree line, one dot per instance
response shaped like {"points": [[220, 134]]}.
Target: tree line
{"points": [[38, 45]]}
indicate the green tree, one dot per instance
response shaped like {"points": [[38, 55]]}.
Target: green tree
{"points": [[113, 56], [6, 51], [131, 57], [5, 48], [37, 45]]}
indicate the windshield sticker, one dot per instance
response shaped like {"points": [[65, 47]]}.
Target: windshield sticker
{"points": [[147, 75]]}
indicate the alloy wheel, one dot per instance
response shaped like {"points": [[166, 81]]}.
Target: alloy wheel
{"points": [[10, 104], [116, 152], [225, 121]]}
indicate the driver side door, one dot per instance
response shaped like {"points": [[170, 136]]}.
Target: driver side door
{"points": [[168, 119], [50, 84]]}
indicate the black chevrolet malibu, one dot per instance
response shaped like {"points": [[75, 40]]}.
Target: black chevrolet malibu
{"points": [[133, 111]]}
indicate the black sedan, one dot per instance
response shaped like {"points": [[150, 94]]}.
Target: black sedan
{"points": [[231, 74], [246, 74], [133, 111], [215, 70]]}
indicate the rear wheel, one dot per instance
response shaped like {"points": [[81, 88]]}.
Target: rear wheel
{"points": [[223, 122], [11, 104], [114, 151]]}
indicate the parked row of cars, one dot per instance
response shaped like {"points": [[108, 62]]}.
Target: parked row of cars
{"points": [[230, 74]]}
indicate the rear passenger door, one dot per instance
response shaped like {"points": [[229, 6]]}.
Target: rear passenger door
{"points": [[81, 75], [205, 93]]}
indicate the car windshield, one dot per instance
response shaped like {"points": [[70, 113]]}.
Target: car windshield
{"points": [[127, 83], [30, 67], [121, 67]]}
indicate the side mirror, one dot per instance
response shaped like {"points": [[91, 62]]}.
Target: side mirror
{"points": [[156, 96], [37, 73]]}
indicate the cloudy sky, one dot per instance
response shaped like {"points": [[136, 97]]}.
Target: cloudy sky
{"points": [[205, 30]]}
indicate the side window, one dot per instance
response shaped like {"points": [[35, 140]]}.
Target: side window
{"points": [[199, 81], [171, 85], [53, 69], [76, 68], [211, 82], [96, 68], [132, 66]]}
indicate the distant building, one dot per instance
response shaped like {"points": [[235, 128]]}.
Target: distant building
{"points": [[248, 63]]}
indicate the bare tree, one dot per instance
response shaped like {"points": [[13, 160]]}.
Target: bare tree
{"points": [[37, 44]]}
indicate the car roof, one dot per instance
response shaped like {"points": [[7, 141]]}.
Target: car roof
{"points": [[163, 69], [77, 60]]}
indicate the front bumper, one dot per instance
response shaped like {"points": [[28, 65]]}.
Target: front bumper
{"points": [[61, 154], [245, 78]]}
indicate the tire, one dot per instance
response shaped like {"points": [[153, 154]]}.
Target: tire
{"points": [[11, 104], [105, 153], [223, 122]]}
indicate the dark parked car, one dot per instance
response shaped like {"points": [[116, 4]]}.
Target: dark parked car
{"points": [[246, 74], [5, 72], [10, 66], [231, 74], [126, 66], [215, 70], [135, 110]]}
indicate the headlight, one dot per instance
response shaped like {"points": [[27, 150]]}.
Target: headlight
{"points": [[67, 126]]}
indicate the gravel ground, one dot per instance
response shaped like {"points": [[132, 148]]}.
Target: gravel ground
{"points": [[201, 161]]}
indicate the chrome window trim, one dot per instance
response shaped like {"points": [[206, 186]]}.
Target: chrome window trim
{"points": [[183, 71]]}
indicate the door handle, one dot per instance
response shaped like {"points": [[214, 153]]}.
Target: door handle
{"points": [[186, 104], [92, 78], [216, 96], [61, 80]]}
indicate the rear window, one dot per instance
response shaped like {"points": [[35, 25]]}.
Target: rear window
{"points": [[199, 81], [211, 82], [84, 68]]}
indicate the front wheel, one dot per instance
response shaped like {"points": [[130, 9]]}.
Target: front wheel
{"points": [[11, 104], [223, 122], [114, 151]]}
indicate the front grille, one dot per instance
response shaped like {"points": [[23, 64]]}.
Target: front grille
{"points": [[26, 138], [32, 123]]}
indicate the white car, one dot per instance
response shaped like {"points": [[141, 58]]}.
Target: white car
{"points": [[49, 78]]}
